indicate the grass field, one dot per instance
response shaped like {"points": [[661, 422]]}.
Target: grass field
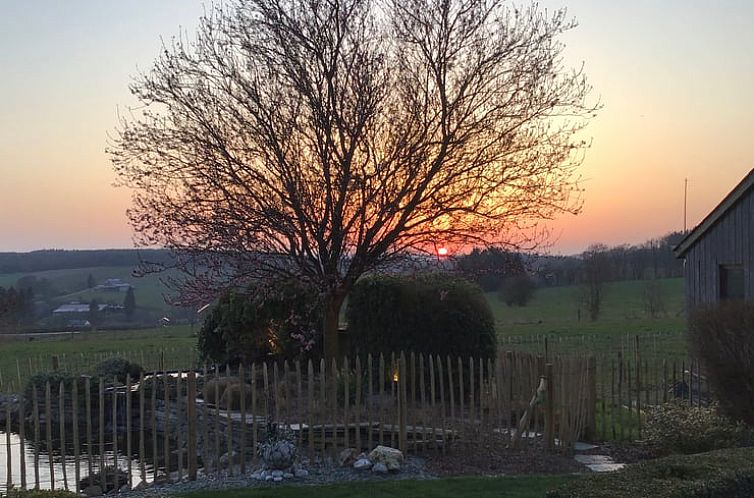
{"points": [[478, 487], [149, 290], [80, 352], [553, 312]]}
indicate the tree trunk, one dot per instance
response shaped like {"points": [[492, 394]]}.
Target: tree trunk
{"points": [[332, 304]]}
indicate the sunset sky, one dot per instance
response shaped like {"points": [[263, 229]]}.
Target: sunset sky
{"points": [[675, 78]]}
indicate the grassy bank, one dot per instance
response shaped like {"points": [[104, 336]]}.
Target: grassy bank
{"points": [[478, 487]]}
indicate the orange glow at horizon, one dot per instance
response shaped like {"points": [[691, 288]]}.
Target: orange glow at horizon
{"points": [[674, 81]]}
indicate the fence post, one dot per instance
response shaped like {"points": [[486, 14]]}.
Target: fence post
{"points": [[402, 419], [549, 408], [590, 431], [192, 425]]}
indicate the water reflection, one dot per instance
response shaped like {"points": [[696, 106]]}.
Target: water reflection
{"points": [[64, 477]]}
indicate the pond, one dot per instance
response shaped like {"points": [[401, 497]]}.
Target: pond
{"points": [[63, 476]]}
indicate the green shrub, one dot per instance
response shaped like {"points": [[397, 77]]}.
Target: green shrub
{"points": [[117, 368], [718, 474], [37, 493], [108, 472], [678, 428], [231, 397], [430, 313], [284, 320], [723, 338]]}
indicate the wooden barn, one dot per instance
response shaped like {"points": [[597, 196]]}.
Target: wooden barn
{"points": [[719, 252]]}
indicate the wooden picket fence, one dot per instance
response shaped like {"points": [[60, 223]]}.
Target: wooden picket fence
{"points": [[170, 424]]}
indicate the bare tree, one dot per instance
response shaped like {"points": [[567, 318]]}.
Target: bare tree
{"points": [[323, 139]]}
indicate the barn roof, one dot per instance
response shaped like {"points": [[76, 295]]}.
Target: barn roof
{"points": [[725, 205]]}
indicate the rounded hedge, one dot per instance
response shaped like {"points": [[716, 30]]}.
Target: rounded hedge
{"points": [[430, 313]]}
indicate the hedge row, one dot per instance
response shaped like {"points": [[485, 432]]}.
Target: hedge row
{"points": [[717, 474], [429, 313]]}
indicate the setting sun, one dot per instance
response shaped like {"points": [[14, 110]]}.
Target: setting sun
{"points": [[443, 251]]}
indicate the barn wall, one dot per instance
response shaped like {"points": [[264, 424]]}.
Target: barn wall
{"points": [[729, 241]]}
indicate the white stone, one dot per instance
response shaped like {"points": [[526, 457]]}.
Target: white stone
{"points": [[347, 457], [287, 475], [301, 473], [391, 457], [362, 464], [268, 478], [379, 468], [277, 479], [579, 446], [277, 473], [606, 467], [593, 459]]}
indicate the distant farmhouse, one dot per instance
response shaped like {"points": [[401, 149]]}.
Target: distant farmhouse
{"points": [[78, 308], [114, 285], [719, 252]]}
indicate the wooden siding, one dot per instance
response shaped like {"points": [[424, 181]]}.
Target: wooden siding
{"points": [[729, 241]]}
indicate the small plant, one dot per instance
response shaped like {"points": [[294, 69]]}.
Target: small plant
{"points": [[278, 450], [108, 473], [677, 428], [118, 368]]}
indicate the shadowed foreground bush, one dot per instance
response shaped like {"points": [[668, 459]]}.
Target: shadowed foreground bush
{"points": [[718, 474], [679, 428], [37, 493], [723, 338]]}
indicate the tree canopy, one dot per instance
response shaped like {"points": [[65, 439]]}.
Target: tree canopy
{"points": [[325, 139]]}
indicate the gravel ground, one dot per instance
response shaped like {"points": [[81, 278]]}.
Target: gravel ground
{"points": [[320, 472]]}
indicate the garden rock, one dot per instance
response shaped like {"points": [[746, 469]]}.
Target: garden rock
{"points": [[301, 473], [379, 468], [347, 457], [362, 464], [390, 457]]}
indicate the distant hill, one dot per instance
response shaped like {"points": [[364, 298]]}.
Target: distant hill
{"points": [[54, 259]]}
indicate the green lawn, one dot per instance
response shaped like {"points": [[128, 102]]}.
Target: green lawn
{"points": [[478, 487]]}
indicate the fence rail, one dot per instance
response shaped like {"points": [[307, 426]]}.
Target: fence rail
{"points": [[171, 424]]}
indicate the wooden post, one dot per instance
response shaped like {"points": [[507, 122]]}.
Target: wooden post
{"points": [[115, 434], [370, 400], [192, 425], [309, 401], [178, 424], [381, 380], [88, 418], [254, 414], [403, 400], [48, 432], [129, 448], [443, 421], [22, 438], [35, 413], [153, 421], [8, 454], [591, 408], [357, 401], [166, 439], [229, 427], [322, 403], [142, 456], [242, 401], [346, 400], [550, 408]]}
